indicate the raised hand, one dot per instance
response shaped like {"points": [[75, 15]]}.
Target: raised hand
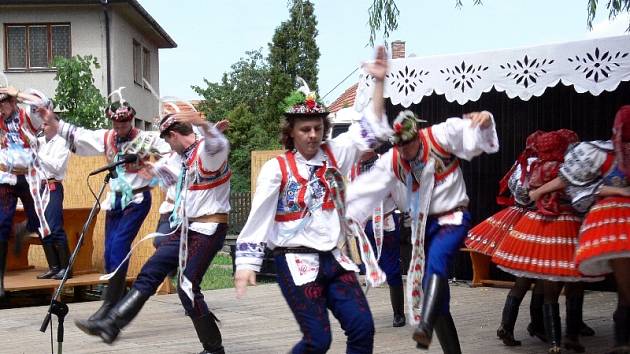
{"points": [[194, 118], [9, 90], [482, 119], [222, 125], [378, 68]]}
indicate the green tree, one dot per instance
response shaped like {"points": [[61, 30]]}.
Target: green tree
{"points": [[614, 7], [240, 97], [81, 102], [292, 52]]}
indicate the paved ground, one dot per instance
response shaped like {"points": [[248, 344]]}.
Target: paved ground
{"points": [[261, 323]]}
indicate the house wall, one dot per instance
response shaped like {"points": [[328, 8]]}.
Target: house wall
{"points": [[123, 33], [87, 38]]}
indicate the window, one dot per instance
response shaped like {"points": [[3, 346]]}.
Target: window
{"points": [[34, 46], [141, 64]]}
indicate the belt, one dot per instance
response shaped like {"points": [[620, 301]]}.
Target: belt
{"points": [[137, 190], [220, 218], [279, 251], [15, 171], [52, 180], [439, 215]]}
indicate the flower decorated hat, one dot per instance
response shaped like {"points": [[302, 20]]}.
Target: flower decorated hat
{"points": [[405, 127], [303, 103], [121, 110]]}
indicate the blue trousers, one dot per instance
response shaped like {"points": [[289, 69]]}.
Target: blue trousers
{"points": [[390, 252], [121, 227], [8, 202], [54, 217], [163, 227], [201, 250], [441, 244], [336, 289]]}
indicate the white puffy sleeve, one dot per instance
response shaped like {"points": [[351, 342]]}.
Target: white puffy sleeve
{"points": [[82, 141], [251, 242], [581, 171], [458, 137]]}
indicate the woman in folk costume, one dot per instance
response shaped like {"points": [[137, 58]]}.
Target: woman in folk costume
{"points": [[427, 162], [21, 173], [383, 231], [488, 235], [296, 212], [597, 176], [129, 199], [542, 243]]}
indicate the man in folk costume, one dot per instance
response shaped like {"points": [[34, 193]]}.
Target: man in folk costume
{"points": [[383, 231], [129, 200], [297, 212], [53, 155], [202, 201], [427, 162], [21, 175], [596, 174]]}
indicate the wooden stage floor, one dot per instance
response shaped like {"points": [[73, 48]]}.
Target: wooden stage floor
{"points": [[262, 323]]}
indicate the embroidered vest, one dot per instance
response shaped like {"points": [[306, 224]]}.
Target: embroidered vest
{"points": [[23, 120], [612, 174], [445, 162], [291, 203], [205, 179]]}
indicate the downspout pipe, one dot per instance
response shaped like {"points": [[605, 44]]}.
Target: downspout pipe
{"points": [[108, 48]]}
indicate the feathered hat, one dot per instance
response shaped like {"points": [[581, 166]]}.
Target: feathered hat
{"points": [[121, 110], [303, 103]]}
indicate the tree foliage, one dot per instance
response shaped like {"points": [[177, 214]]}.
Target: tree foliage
{"points": [[81, 102], [292, 52], [383, 14], [614, 7], [240, 97]]}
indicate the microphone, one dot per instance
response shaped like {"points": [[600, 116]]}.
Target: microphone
{"points": [[127, 158]]}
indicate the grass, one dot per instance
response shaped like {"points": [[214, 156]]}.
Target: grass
{"points": [[219, 274]]}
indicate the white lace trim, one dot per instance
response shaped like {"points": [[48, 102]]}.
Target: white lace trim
{"points": [[592, 66]]}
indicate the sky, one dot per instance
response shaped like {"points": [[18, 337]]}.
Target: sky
{"points": [[212, 35]]}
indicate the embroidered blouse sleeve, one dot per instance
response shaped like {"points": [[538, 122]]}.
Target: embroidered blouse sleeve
{"points": [[369, 188], [82, 141], [363, 135], [251, 242], [215, 147], [517, 187], [581, 173], [457, 136], [159, 147]]}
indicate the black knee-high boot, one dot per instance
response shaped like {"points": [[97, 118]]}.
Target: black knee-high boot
{"points": [[53, 261], [63, 252], [574, 304], [536, 327], [4, 246], [209, 334], [432, 299], [508, 320], [396, 296], [125, 310], [447, 334], [553, 327], [114, 292], [621, 318]]}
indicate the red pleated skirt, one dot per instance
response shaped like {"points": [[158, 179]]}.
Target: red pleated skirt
{"points": [[487, 235], [543, 247], [605, 235]]}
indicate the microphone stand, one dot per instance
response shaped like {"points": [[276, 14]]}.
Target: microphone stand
{"points": [[57, 307]]}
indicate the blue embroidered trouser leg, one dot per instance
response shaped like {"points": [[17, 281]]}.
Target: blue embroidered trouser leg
{"points": [[201, 250], [163, 227], [8, 201], [54, 217], [336, 289], [121, 227], [389, 260], [441, 243]]}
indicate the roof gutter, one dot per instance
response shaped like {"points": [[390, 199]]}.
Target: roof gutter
{"points": [[108, 48]]}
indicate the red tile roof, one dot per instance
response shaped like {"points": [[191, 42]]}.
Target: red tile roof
{"points": [[345, 100]]}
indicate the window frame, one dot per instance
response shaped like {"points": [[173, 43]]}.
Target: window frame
{"points": [[49, 45], [140, 70]]}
